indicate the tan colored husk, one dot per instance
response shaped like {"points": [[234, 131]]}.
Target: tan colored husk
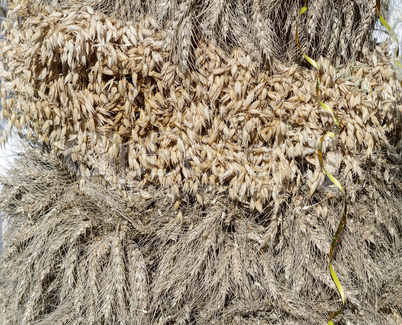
{"points": [[105, 95], [217, 211]]}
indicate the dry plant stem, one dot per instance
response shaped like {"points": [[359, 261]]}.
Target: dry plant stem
{"points": [[219, 263], [331, 134], [168, 197]]}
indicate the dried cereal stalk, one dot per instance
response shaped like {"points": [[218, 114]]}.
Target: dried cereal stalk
{"points": [[186, 197], [234, 24], [137, 259]]}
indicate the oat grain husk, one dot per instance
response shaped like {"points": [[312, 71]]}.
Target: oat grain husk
{"points": [[155, 191]]}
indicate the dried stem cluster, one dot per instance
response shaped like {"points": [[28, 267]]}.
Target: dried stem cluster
{"points": [[105, 95], [224, 214], [336, 29], [82, 254]]}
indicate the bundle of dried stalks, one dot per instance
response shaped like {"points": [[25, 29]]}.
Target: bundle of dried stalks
{"points": [[337, 29], [82, 254], [212, 168], [105, 95]]}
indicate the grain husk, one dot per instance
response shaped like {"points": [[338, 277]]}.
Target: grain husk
{"points": [[170, 193]]}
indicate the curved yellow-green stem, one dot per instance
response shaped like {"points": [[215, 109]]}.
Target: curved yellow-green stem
{"points": [[391, 32], [338, 230], [332, 178]]}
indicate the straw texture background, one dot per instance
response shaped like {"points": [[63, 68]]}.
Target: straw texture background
{"points": [[82, 254], [159, 188], [263, 28]]}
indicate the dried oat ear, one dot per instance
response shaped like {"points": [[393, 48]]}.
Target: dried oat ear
{"points": [[152, 194]]}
